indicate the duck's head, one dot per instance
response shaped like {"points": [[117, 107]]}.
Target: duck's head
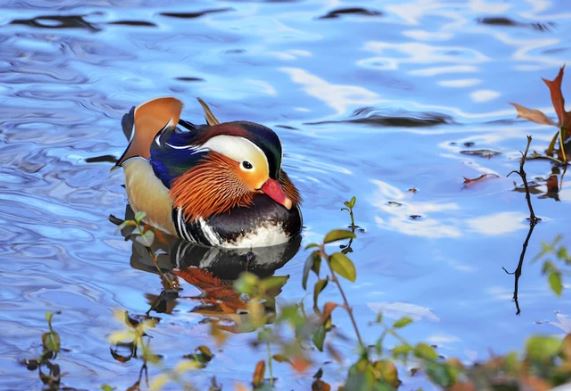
{"points": [[239, 160], [256, 154]]}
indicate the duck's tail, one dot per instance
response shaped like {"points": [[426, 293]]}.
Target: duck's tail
{"points": [[145, 121]]}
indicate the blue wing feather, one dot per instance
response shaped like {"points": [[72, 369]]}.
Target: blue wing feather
{"points": [[173, 153]]}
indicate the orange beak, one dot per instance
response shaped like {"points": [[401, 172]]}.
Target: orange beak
{"points": [[273, 189]]}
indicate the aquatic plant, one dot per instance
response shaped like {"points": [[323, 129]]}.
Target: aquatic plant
{"points": [[561, 137], [286, 333], [49, 371]]}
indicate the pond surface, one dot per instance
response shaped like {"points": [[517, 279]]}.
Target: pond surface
{"points": [[370, 103]]}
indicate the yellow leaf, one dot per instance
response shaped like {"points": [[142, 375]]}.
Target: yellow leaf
{"points": [[185, 366], [121, 336], [158, 382]]}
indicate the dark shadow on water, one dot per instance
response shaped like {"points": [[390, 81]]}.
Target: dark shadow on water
{"points": [[194, 15], [57, 22], [371, 116], [133, 23], [351, 11], [508, 22]]}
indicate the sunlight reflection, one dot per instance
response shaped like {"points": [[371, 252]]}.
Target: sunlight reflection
{"points": [[498, 223], [418, 53], [337, 96], [481, 96], [396, 310], [459, 83]]}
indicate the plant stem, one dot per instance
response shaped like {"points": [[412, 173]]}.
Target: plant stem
{"points": [[562, 144], [270, 367], [348, 308]]}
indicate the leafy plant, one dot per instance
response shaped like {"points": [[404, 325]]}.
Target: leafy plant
{"points": [[48, 371], [551, 266], [564, 118]]}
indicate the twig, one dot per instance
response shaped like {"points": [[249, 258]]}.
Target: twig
{"points": [[517, 272], [533, 220]]}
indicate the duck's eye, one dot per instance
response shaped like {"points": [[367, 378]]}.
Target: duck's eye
{"points": [[247, 165]]}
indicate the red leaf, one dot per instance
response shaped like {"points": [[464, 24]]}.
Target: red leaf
{"points": [[557, 98], [327, 310], [469, 181], [259, 372]]}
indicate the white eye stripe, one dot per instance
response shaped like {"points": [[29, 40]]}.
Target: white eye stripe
{"points": [[236, 148]]}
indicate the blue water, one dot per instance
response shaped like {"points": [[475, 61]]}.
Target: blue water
{"points": [[430, 76]]}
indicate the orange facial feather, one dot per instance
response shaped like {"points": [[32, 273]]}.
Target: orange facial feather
{"points": [[212, 187], [289, 188]]}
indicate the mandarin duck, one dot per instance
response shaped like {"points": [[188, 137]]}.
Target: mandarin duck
{"points": [[217, 184]]}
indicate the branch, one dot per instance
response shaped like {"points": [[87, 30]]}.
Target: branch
{"points": [[533, 220]]}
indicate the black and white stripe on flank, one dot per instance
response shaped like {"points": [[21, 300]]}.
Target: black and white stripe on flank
{"points": [[181, 226]]}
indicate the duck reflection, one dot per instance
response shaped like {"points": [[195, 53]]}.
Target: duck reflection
{"points": [[211, 270]]}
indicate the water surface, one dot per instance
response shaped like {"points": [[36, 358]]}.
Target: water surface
{"points": [[369, 102]]}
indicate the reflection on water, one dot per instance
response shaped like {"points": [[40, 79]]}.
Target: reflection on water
{"points": [[211, 270], [369, 100]]}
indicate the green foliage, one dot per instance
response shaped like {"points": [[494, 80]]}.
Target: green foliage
{"points": [[48, 371], [552, 266], [287, 332], [343, 266]]}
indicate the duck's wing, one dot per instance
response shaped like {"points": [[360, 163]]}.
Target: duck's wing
{"points": [[145, 121], [174, 152]]}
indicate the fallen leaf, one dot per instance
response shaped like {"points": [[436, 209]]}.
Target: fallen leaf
{"points": [[485, 153], [300, 364], [259, 372], [552, 184], [468, 181], [533, 115]]}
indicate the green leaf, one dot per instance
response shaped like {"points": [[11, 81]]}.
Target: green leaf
{"points": [[338, 234], [402, 322], [107, 387], [425, 351], [319, 337], [555, 282], [439, 373], [311, 245], [342, 265], [51, 342], [308, 266], [542, 348], [562, 253], [402, 351], [139, 216], [388, 372], [361, 377], [273, 283], [247, 283], [317, 289], [316, 267], [146, 239], [352, 202]]}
